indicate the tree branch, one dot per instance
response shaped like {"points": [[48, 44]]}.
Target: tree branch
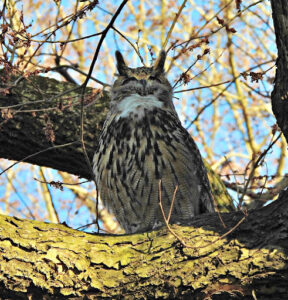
{"points": [[54, 260], [23, 129]]}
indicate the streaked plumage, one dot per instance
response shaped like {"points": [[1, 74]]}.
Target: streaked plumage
{"points": [[143, 141]]}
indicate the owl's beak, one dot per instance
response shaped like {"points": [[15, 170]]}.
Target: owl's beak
{"points": [[143, 82]]}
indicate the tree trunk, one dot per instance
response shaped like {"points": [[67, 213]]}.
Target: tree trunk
{"points": [[54, 261], [279, 95]]}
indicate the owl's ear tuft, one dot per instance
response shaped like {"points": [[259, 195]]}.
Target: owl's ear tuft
{"points": [[160, 61], [121, 66]]}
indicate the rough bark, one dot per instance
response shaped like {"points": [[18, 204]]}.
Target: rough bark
{"points": [[24, 132], [53, 261], [279, 95]]}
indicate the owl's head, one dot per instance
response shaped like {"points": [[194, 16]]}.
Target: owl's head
{"points": [[143, 81]]}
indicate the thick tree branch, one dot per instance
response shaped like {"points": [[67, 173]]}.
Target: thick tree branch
{"points": [[43, 107], [56, 261]]}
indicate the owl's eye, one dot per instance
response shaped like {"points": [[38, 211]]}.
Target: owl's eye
{"points": [[154, 78], [128, 80]]}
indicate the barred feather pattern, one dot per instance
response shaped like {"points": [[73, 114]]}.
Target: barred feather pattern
{"points": [[134, 154], [142, 142]]}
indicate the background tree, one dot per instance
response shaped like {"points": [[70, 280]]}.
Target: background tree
{"points": [[222, 51]]}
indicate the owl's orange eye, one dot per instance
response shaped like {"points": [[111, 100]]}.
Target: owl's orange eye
{"points": [[128, 80], [154, 78]]}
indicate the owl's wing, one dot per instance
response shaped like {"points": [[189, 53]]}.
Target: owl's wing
{"points": [[186, 167]]}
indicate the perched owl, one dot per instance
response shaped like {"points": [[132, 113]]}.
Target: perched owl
{"points": [[143, 142]]}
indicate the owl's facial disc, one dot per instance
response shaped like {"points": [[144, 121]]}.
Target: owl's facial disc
{"points": [[143, 81]]}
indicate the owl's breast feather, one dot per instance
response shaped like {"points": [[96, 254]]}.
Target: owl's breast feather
{"points": [[137, 105]]}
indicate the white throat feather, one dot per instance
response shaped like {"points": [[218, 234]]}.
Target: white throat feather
{"points": [[136, 105]]}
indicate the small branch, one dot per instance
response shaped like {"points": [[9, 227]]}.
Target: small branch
{"points": [[131, 44], [255, 166], [103, 35], [172, 203], [48, 199], [173, 24], [79, 71], [263, 196], [58, 184], [202, 87], [221, 93], [166, 220], [163, 213]]}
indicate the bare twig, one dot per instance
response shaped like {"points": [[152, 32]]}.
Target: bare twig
{"points": [[264, 196], [221, 219], [59, 183], [103, 35], [221, 93], [172, 203], [166, 220], [203, 87], [255, 166], [205, 36], [163, 214], [131, 44], [48, 199], [174, 23]]}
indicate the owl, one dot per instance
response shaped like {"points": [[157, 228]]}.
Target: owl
{"points": [[145, 156]]}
